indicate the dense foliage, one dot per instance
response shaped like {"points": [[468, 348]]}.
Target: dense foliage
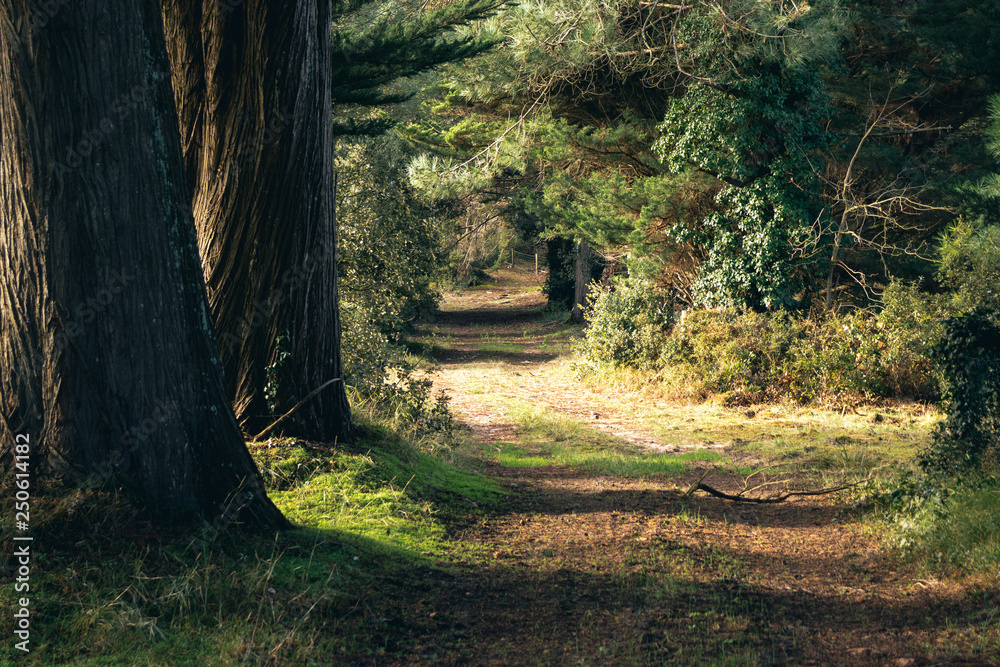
{"points": [[626, 324], [969, 356], [763, 155], [765, 226], [750, 357], [390, 257]]}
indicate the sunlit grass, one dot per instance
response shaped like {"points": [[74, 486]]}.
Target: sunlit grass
{"points": [[902, 427], [566, 441], [513, 459], [963, 533], [110, 591]]}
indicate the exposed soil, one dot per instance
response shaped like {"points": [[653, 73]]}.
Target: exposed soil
{"points": [[582, 569]]}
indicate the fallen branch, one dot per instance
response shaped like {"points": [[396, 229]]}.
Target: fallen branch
{"points": [[297, 406], [741, 498]]}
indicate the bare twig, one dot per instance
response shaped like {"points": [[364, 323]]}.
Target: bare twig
{"points": [[296, 407], [742, 498], [694, 487]]}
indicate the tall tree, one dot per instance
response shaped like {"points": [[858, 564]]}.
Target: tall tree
{"points": [[910, 95], [252, 83], [108, 361], [568, 116], [379, 43], [749, 152]]}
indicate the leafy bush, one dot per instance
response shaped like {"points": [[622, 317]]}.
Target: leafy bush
{"points": [[969, 357], [627, 324], [861, 354], [837, 357], [742, 354], [964, 532], [913, 324], [390, 254], [390, 246], [752, 357], [757, 357]]}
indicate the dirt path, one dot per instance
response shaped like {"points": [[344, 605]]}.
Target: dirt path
{"points": [[594, 569], [499, 340]]}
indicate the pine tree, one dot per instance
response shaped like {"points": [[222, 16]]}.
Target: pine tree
{"points": [[567, 115], [805, 145], [376, 45]]}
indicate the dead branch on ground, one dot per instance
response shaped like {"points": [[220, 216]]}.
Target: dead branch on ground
{"points": [[743, 497]]}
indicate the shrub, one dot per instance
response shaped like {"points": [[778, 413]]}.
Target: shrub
{"points": [[389, 258], [757, 357], [742, 354], [837, 357], [753, 357], [627, 324], [969, 358], [955, 524], [913, 324], [964, 532], [389, 252]]}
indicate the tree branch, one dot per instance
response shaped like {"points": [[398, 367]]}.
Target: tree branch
{"points": [[742, 498], [296, 407]]}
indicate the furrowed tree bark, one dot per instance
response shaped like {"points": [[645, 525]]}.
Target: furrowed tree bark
{"points": [[108, 360], [585, 260], [252, 85]]}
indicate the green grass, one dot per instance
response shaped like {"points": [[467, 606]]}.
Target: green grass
{"points": [[963, 533], [514, 459], [551, 438], [110, 588], [499, 348]]}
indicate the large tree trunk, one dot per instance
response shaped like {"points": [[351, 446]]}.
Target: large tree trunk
{"points": [[252, 86], [108, 360], [560, 255], [586, 261]]}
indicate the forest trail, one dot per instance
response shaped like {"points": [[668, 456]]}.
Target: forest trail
{"points": [[497, 341], [589, 563]]}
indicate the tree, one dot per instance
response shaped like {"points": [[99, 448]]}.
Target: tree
{"points": [[378, 44], [109, 362], [391, 251], [749, 140], [909, 95], [263, 192], [741, 152], [252, 83], [568, 116]]}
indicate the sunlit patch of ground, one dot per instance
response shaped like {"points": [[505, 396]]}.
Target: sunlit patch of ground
{"points": [[598, 557]]}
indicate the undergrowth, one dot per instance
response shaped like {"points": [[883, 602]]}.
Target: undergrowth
{"points": [[110, 587], [750, 358], [953, 526]]}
